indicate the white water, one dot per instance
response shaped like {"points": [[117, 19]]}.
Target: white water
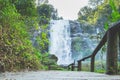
{"points": [[60, 41]]}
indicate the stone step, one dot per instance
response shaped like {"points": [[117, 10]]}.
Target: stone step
{"points": [[56, 75]]}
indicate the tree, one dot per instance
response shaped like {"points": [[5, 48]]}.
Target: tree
{"points": [[95, 3], [114, 16], [44, 12], [25, 7], [84, 13], [97, 15], [39, 2]]}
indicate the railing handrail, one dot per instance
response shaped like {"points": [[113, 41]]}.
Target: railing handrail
{"points": [[102, 42], [115, 28], [85, 58]]}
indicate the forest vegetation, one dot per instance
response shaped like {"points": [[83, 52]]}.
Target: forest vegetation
{"points": [[100, 13], [19, 19]]}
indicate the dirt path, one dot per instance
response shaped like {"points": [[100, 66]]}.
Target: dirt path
{"points": [[56, 75]]}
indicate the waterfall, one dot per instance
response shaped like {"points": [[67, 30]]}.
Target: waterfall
{"points": [[60, 41], [70, 40]]}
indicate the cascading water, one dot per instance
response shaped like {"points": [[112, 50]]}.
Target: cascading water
{"points": [[70, 40], [60, 41]]}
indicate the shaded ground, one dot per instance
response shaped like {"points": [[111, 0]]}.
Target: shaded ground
{"points": [[56, 75]]}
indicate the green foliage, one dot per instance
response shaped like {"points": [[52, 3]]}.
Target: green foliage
{"points": [[49, 61], [85, 66], [42, 41], [84, 13], [114, 16], [16, 50], [106, 26], [101, 14], [45, 10], [25, 7], [100, 71], [18, 21], [115, 13]]}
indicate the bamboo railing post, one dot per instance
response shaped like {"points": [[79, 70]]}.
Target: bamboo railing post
{"points": [[68, 67], [92, 63], [79, 65], [72, 67], [112, 52]]}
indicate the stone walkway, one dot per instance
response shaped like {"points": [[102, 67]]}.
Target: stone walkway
{"points": [[56, 75]]}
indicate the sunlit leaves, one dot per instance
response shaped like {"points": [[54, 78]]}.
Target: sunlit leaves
{"points": [[115, 13], [106, 26], [103, 14], [114, 16]]}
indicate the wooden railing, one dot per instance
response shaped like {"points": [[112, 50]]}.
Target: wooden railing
{"points": [[92, 56], [111, 37]]}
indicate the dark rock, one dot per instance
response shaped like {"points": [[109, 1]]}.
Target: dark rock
{"points": [[53, 57]]}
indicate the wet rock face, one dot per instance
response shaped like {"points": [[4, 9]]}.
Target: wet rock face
{"points": [[53, 57], [81, 42], [76, 32], [75, 27], [80, 28], [71, 40]]}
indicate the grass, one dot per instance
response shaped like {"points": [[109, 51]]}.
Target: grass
{"points": [[99, 66], [100, 70]]}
